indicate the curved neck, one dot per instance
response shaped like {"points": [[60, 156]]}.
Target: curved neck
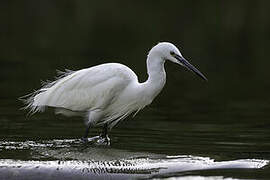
{"points": [[156, 75], [155, 69]]}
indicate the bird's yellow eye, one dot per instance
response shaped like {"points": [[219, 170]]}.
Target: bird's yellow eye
{"points": [[172, 53]]}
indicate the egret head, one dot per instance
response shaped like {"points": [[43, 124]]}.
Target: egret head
{"points": [[168, 51]]}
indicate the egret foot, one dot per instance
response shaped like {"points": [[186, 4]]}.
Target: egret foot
{"points": [[103, 140], [103, 137], [90, 140], [84, 139]]}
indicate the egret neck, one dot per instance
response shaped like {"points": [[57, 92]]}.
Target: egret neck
{"points": [[156, 75]]}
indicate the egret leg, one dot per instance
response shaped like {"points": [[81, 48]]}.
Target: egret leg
{"points": [[105, 131], [104, 135], [84, 138]]}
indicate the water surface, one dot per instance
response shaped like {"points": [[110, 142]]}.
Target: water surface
{"points": [[193, 129], [159, 142]]}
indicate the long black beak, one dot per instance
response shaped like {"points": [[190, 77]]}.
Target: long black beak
{"points": [[189, 66]]}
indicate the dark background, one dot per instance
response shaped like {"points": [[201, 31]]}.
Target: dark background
{"points": [[228, 41], [225, 118]]}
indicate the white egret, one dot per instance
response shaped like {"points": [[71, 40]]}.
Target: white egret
{"points": [[106, 94]]}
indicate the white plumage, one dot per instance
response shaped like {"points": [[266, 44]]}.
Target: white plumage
{"points": [[109, 92]]}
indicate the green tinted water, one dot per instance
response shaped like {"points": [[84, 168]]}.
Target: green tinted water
{"points": [[187, 124], [193, 129]]}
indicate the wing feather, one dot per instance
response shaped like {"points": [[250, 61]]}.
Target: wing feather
{"points": [[83, 90]]}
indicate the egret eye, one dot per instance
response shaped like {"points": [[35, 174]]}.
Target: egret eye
{"points": [[172, 53]]}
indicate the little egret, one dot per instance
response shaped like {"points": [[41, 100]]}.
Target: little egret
{"points": [[106, 94]]}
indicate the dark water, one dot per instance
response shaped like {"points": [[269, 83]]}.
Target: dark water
{"points": [[214, 130], [159, 142]]}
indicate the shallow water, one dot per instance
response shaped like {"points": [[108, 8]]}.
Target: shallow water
{"points": [[193, 129], [157, 143]]}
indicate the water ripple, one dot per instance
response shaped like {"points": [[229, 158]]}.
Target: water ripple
{"points": [[70, 158]]}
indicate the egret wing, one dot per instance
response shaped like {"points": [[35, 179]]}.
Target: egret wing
{"points": [[86, 89]]}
